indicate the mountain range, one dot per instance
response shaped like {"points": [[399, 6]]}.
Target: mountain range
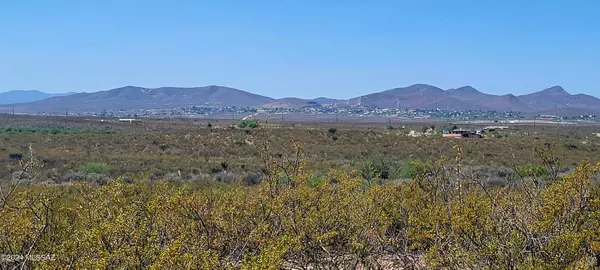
{"points": [[24, 96], [418, 96], [422, 96], [133, 97]]}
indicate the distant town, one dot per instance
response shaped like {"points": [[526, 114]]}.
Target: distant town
{"points": [[318, 111]]}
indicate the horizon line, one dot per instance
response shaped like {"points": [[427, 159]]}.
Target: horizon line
{"points": [[322, 96]]}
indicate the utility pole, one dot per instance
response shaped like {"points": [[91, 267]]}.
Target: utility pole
{"points": [[557, 128]]}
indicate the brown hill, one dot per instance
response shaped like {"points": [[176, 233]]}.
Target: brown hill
{"points": [[550, 98], [503, 103], [468, 93], [418, 96], [422, 96], [556, 97], [584, 101], [487, 101]]}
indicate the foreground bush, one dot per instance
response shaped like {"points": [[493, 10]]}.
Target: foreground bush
{"points": [[247, 124], [440, 219]]}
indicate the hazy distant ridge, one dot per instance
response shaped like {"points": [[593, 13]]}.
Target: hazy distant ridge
{"points": [[24, 96]]}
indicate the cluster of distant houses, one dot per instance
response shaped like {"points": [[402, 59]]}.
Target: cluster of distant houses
{"points": [[463, 133]]}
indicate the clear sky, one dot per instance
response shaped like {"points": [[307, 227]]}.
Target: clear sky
{"points": [[305, 48]]}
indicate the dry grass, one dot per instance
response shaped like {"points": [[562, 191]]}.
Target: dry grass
{"points": [[193, 151]]}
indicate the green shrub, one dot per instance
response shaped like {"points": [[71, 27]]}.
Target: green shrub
{"points": [[96, 168], [531, 170], [376, 171], [247, 124], [315, 181], [411, 168]]}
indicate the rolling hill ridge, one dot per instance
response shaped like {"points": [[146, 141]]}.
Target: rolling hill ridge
{"points": [[134, 97], [417, 96], [422, 96]]}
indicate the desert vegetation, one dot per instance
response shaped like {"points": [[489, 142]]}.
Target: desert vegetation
{"points": [[224, 197]]}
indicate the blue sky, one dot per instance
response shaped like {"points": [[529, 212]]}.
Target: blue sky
{"points": [[335, 48]]}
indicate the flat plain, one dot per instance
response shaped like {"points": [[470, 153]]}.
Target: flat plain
{"points": [[194, 151]]}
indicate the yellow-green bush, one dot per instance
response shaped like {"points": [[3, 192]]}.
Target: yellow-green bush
{"points": [[440, 219]]}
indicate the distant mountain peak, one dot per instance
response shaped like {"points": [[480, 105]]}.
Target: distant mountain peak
{"points": [[468, 94], [422, 85], [217, 86], [555, 90], [467, 89], [128, 88]]}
